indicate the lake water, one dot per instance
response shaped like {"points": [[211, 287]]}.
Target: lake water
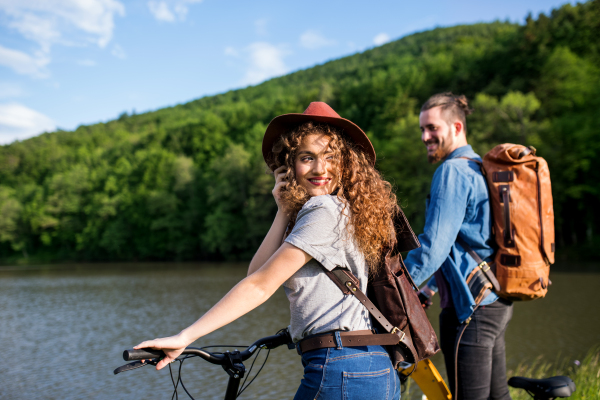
{"points": [[64, 328]]}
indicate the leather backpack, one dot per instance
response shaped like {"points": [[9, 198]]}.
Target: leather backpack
{"points": [[393, 302], [395, 294], [523, 220]]}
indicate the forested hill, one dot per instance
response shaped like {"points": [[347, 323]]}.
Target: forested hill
{"points": [[188, 182]]}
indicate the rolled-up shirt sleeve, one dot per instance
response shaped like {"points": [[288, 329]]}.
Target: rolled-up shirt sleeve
{"points": [[432, 284], [444, 217]]}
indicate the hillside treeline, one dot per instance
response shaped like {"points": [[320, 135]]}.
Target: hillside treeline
{"points": [[188, 182]]}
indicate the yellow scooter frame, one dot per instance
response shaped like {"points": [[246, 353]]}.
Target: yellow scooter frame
{"points": [[427, 377]]}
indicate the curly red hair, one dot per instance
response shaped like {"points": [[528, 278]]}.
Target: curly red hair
{"points": [[361, 188]]}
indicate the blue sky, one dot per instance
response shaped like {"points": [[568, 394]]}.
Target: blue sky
{"points": [[64, 63]]}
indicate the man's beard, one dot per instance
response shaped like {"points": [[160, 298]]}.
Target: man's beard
{"points": [[436, 156], [439, 154]]}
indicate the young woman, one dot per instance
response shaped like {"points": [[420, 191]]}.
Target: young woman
{"points": [[334, 209]]}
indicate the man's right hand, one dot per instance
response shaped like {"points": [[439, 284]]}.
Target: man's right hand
{"points": [[425, 295], [425, 301]]}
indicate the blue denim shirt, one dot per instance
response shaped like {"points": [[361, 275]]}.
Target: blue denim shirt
{"points": [[458, 203]]}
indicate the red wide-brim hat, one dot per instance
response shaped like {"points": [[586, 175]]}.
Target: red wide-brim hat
{"points": [[317, 111]]}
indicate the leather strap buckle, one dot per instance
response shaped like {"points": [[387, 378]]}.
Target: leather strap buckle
{"points": [[396, 330], [484, 266]]}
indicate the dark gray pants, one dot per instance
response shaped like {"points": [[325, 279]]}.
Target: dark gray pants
{"points": [[481, 353]]}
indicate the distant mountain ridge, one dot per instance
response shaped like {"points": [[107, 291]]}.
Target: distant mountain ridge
{"points": [[187, 182]]}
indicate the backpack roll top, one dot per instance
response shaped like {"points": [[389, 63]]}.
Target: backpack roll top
{"points": [[523, 225]]}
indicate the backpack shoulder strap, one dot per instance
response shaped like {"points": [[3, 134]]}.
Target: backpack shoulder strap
{"points": [[480, 263], [348, 283], [478, 163], [472, 159], [485, 268]]}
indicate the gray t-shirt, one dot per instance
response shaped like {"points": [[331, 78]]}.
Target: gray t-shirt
{"points": [[316, 304]]}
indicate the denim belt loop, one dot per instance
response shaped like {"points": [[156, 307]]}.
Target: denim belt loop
{"points": [[338, 340], [298, 350]]}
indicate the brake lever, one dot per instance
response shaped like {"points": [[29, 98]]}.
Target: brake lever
{"points": [[135, 365]]}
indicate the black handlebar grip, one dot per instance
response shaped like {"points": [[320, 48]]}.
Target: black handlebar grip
{"points": [[142, 354], [277, 340]]}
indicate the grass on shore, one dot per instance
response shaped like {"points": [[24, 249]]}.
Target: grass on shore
{"points": [[585, 374]]}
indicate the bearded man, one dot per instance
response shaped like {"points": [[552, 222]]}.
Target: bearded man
{"points": [[457, 213]]}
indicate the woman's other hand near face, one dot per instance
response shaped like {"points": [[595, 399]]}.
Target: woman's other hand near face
{"points": [[280, 183]]}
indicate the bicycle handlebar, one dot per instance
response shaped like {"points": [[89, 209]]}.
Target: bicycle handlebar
{"points": [[142, 354], [269, 342]]}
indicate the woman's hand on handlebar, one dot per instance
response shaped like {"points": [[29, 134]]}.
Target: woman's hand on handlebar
{"points": [[172, 347]]}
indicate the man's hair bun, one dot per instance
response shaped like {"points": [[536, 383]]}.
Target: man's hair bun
{"points": [[453, 106], [463, 103]]}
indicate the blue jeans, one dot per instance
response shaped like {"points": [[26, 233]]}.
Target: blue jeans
{"points": [[347, 373]]}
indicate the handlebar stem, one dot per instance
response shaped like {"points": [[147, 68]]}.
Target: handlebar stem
{"points": [[234, 365], [235, 369]]}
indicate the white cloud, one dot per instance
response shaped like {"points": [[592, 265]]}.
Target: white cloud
{"points": [[161, 11], [63, 21], [381, 39], [18, 122], [181, 10], [261, 26], [118, 52], [231, 51], [51, 22], [23, 63], [170, 10], [264, 61], [87, 63], [314, 40]]}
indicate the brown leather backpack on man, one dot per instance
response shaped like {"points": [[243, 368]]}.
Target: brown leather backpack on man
{"points": [[523, 226]]}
